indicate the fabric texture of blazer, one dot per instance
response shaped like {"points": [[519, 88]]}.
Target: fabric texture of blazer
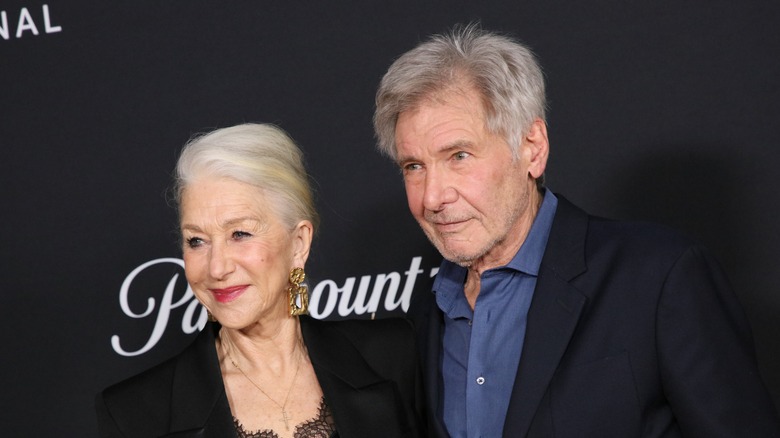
{"points": [[633, 331], [368, 372]]}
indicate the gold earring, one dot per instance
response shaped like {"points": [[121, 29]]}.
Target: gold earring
{"points": [[299, 294], [211, 317]]}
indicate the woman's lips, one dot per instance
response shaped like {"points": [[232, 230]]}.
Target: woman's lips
{"points": [[228, 294]]}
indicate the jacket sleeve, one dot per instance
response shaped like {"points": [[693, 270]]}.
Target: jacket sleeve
{"points": [[107, 427], [706, 354]]}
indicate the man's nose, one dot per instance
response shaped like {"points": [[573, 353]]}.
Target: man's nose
{"points": [[439, 190]]}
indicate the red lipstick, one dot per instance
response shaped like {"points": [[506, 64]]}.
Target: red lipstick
{"points": [[228, 294]]}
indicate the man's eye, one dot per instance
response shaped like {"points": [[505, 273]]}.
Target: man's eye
{"points": [[194, 242], [238, 235], [412, 167], [461, 155]]}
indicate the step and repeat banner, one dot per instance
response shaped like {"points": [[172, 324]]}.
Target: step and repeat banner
{"points": [[664, 111]]}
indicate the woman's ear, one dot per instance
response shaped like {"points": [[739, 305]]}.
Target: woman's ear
{"points": [[302, 236]]}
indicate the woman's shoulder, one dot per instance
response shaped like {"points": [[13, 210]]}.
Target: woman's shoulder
{"points": [[369, 329], [380, 341], [141, 401], [151, 388], [146, 393], [145, 402]]}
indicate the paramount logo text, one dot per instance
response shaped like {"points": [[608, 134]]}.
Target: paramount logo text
{"points": [[326, 297]]}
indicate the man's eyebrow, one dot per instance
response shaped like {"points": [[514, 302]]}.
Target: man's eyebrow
{"points": [[447, 148], [401, 160], [455, 145]]}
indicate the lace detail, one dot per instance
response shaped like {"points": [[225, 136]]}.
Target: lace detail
{"points": [[321, 426]]}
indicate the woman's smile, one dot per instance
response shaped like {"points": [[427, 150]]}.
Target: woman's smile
{"points": [[228, 294]]}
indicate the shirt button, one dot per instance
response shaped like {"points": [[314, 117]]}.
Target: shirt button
{"points": [[480, 380]]}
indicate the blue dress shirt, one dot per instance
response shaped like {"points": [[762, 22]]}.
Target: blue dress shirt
{"points": [[481, 348]]}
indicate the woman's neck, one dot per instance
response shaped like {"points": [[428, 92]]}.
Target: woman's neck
{"points": [[278, 347]]}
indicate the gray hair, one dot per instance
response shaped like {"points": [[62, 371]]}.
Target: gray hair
{"points": [[261, 155], [504, 71]]}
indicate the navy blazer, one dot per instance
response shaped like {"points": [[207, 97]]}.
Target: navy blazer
{"points": [[368, 372], [633, 331]]}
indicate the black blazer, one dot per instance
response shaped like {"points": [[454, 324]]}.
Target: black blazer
{"points": [[367, 370], [633, 331]]}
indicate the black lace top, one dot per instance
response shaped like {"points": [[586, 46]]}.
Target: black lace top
{"points": [[322, 426]]}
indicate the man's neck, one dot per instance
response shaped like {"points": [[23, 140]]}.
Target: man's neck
{"points": [[504, 251]]}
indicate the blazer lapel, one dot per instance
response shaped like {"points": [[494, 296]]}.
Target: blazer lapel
{"points": [[432, 377], [353, 391], [201, 406], [554, 313]]}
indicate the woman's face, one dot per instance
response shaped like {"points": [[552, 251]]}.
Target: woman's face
{"points": [[237, 255]]}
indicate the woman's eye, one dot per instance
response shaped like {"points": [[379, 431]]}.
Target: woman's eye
{"points": [[194, 242], [238, 235]]}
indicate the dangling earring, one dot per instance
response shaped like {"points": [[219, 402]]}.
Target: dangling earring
{"points": [[299, 294], [211, 317]]}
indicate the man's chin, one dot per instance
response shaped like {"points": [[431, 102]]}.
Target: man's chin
{"points": [[457, 256], [454, 250]]}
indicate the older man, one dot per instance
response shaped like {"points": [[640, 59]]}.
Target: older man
{"points": [[547, 321]]}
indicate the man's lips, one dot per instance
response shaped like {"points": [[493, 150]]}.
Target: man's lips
{"points": [[449, 226], [229, 293]]}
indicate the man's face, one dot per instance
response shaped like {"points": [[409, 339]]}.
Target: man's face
{"points": [[471, 198]]}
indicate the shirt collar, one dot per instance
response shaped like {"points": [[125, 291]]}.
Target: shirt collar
{"points": [[529, 257], [448, 285]]}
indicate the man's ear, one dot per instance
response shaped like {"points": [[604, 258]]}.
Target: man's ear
{"points": [[537, 148], [302, 236]]}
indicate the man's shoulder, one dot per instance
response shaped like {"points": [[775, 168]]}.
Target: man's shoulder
{"points": [[627, 234], [638, 232]]}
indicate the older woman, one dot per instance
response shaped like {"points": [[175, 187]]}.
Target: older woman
{"points": [[259, 369]]}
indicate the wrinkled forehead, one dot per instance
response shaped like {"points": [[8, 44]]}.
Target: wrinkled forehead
{"points": [[452, 95]]}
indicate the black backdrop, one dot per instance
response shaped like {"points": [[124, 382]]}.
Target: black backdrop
{"points": [[660, 110]]}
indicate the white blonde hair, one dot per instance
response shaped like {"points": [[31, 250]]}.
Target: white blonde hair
{"points": [[261, 155]]}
